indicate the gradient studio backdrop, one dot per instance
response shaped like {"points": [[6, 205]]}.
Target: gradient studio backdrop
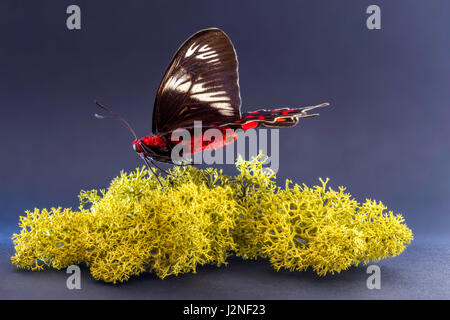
{"points": [[385, 137]]}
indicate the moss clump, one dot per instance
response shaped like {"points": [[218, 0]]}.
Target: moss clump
{"points": [[201, 218]]}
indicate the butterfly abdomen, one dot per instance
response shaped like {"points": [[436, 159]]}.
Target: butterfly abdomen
{"points": [[283, 117], [272, 118]]}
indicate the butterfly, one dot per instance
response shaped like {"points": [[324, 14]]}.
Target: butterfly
{"points": [[202, 84]]}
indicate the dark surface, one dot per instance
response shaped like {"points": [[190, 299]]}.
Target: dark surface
{"points": [[385, 136], [422, 272]]}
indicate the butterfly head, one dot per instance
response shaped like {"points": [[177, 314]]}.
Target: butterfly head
{"points": [[136, 146]]}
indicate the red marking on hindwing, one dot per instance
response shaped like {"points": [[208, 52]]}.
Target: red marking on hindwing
{"points": [[249, 125]]}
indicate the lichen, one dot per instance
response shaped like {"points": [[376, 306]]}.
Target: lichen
{"points": [[202, 217]]}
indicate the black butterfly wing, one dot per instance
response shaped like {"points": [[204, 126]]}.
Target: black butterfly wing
{"points": [[201, 83]]}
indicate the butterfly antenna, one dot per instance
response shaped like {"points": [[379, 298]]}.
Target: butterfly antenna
{"points": [[114, 116]]}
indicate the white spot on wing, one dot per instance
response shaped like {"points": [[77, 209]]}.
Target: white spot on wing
{"points": [[223, 108], [182, 83], [204, 48], [191, 50]]}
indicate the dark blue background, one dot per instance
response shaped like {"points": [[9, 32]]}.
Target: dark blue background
{"points": [[385, 137]]}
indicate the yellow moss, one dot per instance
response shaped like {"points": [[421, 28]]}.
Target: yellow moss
{"points": [[201, 218], [299, 227]]}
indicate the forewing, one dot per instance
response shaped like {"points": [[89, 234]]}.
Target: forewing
{"points": [[201, 83]]}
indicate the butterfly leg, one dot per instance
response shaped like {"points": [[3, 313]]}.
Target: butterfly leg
{"points": [[148, 157], [151, 169], [154, 163]]}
